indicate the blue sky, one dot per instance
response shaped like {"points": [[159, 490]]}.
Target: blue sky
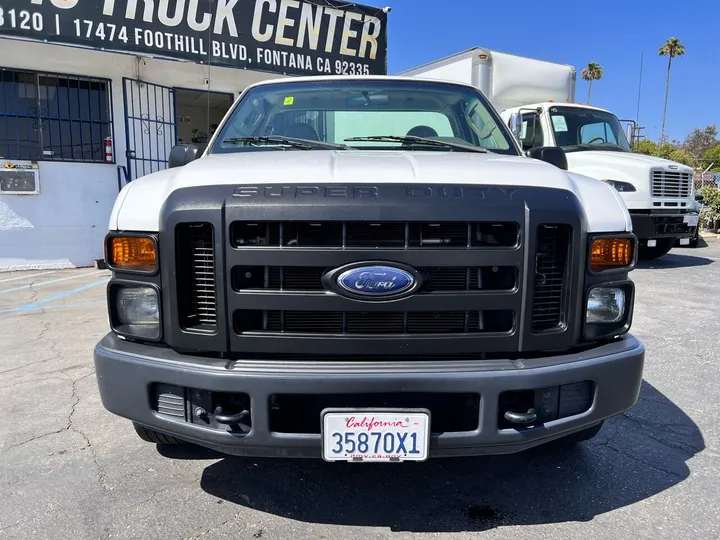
{"points": [[611, 32]]}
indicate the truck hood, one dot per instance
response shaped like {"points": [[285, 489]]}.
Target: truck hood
{"points": [[138, 206], [637, 166]]}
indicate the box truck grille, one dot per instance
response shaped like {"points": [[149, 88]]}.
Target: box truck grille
{"points": [[671, 184], [551, 271], [196, 276]]}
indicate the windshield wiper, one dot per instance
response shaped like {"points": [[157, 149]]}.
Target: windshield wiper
{"points": [[303, 144], [418, 140]]}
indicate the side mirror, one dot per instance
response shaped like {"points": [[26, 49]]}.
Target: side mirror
{"points": [[516, 125], [550, 154], [182, 154]]}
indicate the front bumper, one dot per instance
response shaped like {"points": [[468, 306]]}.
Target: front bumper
{"points": [[655, 226], [127, 371]]}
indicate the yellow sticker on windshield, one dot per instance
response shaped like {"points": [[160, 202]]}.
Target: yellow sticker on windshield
{"points": [[288, 101]]}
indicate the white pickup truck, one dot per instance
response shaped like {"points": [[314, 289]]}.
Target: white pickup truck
{"points": [[536, 98], [334, 278]]}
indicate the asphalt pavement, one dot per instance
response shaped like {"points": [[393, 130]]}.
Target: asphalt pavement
{"points": [[70, 470]]}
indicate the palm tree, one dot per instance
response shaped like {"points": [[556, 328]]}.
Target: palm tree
{"points": [[671, 48], [593, 72]]}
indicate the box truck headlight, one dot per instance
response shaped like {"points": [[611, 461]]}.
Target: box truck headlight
{"points": [[605, 305], [621, 186], [137, 312]]}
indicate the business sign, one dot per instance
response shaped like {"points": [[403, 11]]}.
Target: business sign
{"points": [[281, 36]]}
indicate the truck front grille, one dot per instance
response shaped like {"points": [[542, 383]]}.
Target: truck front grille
{"points": [[374, 322], [292, 234], [195, 268], [245, 270], [551, 269], [671, 184], [309, 278]]}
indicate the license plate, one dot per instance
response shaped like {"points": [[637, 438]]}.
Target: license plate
{"points": [[684, 241], [691, 221], [368, 435]]}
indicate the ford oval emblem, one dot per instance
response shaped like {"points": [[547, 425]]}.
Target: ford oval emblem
{"points": [[381, 281]]}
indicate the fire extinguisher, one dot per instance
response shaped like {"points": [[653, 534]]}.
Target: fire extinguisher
{"points": [[108, 150]]}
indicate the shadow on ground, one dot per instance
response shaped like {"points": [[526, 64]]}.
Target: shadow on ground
{"points": [[677, 258], [636, 455]]}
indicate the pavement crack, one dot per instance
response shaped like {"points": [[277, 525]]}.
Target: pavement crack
{"points": [[70, 426], [151, 497], [35, 438], [45, 326], [215, 527], [88, 443], [608, 443], [644, 462], [666, 428]]}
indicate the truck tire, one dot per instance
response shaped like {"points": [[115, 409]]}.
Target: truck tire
{"points": [[153, 436], [663, 246]]}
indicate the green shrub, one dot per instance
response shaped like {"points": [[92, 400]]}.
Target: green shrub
{"points": [[711, 203]]}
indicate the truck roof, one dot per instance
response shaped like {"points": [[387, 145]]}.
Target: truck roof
{"points": [[316, 78], [558, 103], [472, 51]]}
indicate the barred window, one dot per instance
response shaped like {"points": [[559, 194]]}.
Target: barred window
{"points": [[45, 116]]}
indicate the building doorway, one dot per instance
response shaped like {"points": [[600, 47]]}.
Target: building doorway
{"points": [[158, 117], [198, 115]]}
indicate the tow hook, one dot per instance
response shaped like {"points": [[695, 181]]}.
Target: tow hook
{"points": [[521, 418], [221, 418]]}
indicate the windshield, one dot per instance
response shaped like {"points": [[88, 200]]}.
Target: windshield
{"points": [[577, 129], [363, 113]]}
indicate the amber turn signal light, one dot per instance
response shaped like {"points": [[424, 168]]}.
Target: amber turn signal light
{"points": [[136, 253], [610, 253]]}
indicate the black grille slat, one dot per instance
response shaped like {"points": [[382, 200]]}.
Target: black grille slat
{"points": [[450, 278], [440, 235], [196, 276], [389, 323], [374, 323], [551, 264], [447, 322], [364, 234], [386, 235]]}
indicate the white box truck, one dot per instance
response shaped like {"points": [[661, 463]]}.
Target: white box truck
{"points": [[536, 98]]}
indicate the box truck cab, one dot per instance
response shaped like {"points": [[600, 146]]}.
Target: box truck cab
{"points": [[536, 99]]}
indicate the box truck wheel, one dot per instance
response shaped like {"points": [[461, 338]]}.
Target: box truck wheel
{"points": [[661, 248]]}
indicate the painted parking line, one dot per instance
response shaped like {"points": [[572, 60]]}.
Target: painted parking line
{"points": [[35, 305], [27, 276], [49, 282], [61, 306]]}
